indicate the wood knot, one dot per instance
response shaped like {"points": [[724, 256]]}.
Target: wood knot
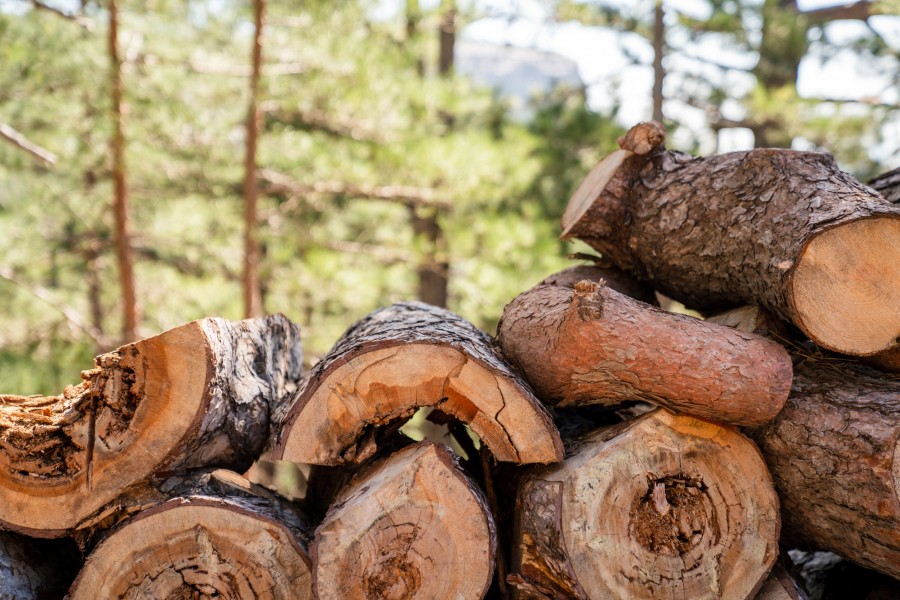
{"points": [[588, 299], [643, 138]]}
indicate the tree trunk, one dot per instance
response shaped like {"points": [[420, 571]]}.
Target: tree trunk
{"points": [[402, 358], [787, 230], [833, 453], [35, 569], [658, 507], [659, 48], [198, 395], [434, 269], [411, 526], [121, 208], [592, 345], [447, 34], [215, 536], [252, 294]]}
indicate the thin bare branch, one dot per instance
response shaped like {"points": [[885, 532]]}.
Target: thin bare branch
{"points": [[318, 120], [18, 140], [857, 11], [79, 20], [382, 254]]}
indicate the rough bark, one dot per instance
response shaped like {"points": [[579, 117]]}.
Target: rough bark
{"points": [[397, 360], [614, 279], [888, 185], [592, 345], [35, 569], [658, 507], [251, 287], [215, 535], [834, 455], [783, 229], [198, 395], [121, 207], [412, 526]]}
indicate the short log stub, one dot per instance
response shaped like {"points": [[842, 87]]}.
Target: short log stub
{"points": [[413, 526], [783, 229], [197, 395], [593, 345], [661, 507], [401, 358], [217, 537]]}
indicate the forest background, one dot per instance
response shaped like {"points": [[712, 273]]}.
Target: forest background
{"points": [[166, 160]]}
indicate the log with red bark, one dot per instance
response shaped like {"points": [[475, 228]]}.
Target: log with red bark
{"points": [[198, 395], [783, 229], [402, 358], [834, 453], [660, 507], [412, 525], [592, 345], [216, 536], [35, 569]]}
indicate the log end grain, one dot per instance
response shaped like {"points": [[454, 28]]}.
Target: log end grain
{"points": [[589, 190], [846, 287]]}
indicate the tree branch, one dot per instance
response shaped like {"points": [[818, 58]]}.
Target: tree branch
{"points": [[277, 183], [318, 120], [857, 11], [18, 140], [79, 20]]}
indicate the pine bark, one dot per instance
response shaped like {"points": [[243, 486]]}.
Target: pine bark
{"points": [[658, 507], [214, 535], [592, 345], [783, 229], [35, 569], [402, 358], [411, 526], [198, 395], [834, 453]]}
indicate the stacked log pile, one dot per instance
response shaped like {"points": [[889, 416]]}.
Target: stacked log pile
{"points": [[605, 448]]}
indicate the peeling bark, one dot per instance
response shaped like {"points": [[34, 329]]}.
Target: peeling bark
{"points": [[198, 395], [397, 360], [411, 526], [661, 507], [592, 345], [783, 229], [213, 535], [834, 453]]}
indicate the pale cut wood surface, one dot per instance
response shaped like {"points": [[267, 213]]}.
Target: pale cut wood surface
{"points": [[198, 395], [402, 358], [662, 507], [413, 526]]}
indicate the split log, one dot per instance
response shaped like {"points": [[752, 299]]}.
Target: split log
{"points": [[35, 569], [217, 536], [592, 345], [660, 507], [834, 453], [783, 229], [397, 360], [197, 395], [411, 526]]}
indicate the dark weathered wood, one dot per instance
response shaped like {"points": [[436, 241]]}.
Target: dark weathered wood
{"points": [[216, 535], [198, 395], [397, 360], [35, 569], [779, 585], [411, 526], [888, 185], [834, 455], [592, 345], [783, 229], [662, 507]]}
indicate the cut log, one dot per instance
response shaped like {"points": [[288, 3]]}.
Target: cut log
{"points": [[411, 526], [218, 536], [613, 278], [783, 229], [592, 345], [662, 507], [197, 395], [834, 453], [397, 360], [35, 569]]}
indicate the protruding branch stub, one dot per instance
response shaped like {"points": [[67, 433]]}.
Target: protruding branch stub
{"points": [[643, 138]]}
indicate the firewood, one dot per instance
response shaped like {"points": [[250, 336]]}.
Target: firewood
{"points": [[411, 526], [660, 507], [835, 458], [592, 345], [217, 536], [397, 360], [197, 395], [783, 229], [35, 569]]}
